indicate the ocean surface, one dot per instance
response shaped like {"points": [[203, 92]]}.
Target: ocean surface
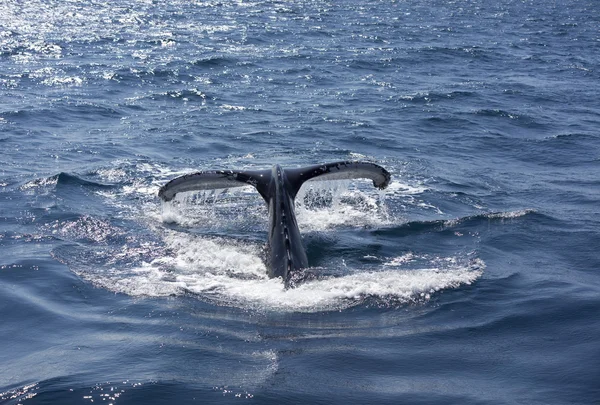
{"points": [[473, 279]]}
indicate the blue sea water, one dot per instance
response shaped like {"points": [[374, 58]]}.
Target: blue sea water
{"points": [[474, 279]]}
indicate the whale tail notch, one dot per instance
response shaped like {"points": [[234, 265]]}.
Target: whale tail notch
{"points": [[261, 179]]}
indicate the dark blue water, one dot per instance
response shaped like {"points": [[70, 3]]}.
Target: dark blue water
{"points": [[473, 279]]}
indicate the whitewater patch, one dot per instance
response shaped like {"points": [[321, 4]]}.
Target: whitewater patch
{"points": [[210, 245], [232, 273]]}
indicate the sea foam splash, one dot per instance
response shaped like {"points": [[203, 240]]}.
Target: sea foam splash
{"points": [[211, 244], [198, 254], [232, 273]]}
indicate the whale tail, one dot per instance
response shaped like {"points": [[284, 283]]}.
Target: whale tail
{"points": [[279, 188], [261, 179]]}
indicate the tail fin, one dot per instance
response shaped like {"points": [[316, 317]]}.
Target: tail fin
{"points": [[344, 170], [261, 178], [210, 180]]}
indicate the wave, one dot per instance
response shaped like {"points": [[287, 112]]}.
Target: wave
{"points": [[460, 52], [63, 112], [75, 387], [15, 47], [63, 179], [20, 394], [444, 224], [435, 96], [67, 179], [215, 61], [518, 118], [184, 95], [571, 136]]}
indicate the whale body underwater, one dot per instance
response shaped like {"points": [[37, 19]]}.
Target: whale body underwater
{"points": [[279, 187]]}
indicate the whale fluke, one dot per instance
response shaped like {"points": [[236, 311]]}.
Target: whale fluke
{"points": [[210, 180], [279, 188]]}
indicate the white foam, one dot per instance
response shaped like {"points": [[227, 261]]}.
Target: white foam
{"points": [[40, 183], [493, 215], [233, 107], [399, 188], [400, 260], [510, 214], [217, 256], [259, 292], [232, 272], [63, 81]]}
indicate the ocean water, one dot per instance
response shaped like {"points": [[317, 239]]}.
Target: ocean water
{"points": [[473, 279]]}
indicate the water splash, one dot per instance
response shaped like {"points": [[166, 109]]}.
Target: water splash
{"points": [[211, 244]]}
